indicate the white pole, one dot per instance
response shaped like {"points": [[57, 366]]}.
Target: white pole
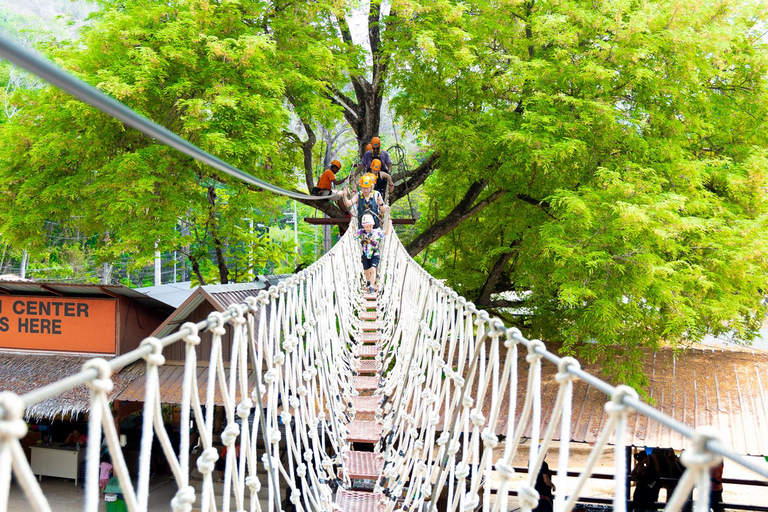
{"points": [[158, 276], [295, 235], [23, 269]]}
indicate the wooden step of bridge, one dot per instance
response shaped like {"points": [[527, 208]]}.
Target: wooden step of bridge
{"points": [[370, 350], [368, 315], [369, 337], [369, 367], [366, 404], [363, 383], [359, 501], [363, 465], [363, 431]]}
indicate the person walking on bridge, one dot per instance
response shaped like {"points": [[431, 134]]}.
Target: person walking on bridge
{"points": [[367, 200], [376, 153], [369, 240], [382, 178]]}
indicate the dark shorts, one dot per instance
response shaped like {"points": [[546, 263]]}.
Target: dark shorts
{"points": [[373, 261]]}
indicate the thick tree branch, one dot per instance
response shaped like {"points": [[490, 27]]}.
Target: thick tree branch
{"points": [[415, 178], [464, 210], [493, 276]]}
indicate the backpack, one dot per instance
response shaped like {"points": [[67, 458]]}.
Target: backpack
{"points": [[368, 206]]}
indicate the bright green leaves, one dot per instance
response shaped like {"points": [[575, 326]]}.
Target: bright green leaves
{"points": [[630, 141], [193, 66]]}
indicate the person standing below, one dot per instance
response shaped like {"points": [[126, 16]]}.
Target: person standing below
{"points": [[367, 200], [327, 180], [647, 485], [105, 472], [545, 488], [369, 240], [716, 488], [376, 153], [382, 178]]}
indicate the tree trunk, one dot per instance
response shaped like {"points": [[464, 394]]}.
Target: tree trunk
{"points": [[484, 299]]}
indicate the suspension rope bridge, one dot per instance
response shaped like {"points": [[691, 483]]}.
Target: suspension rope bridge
{"points": [[400, 393]]}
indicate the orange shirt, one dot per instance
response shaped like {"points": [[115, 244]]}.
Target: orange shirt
{"points": [[326, 180]]}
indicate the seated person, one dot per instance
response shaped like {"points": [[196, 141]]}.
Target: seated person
{"points": [[75, 438], [327, 180]]}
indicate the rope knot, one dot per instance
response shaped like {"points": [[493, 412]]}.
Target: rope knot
{"points": [[244, 408], [616, 404], [290, 344], [490, 439], [462, 470], [301, 470], [103, 382], [238, 311], [295, 496], [300, 331], [193, 338], [472, 501], [467, 401], [12, 424], [482, 317], [216, 323], [699, 458], [506, 470], [154, 358], [453, 448], [270, 377], [513, 337], [183, 500], [279, 359], [477, 417], [426, 490], [207, 460], [253, 484], [229, 436], [528, 497], [564, 375], [532, 354]]}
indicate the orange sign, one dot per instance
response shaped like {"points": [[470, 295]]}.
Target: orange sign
{"points": [[58, 324]]}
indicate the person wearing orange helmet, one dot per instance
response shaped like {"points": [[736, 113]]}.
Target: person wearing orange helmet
{"points": [[368, 200], [327, 180], [379, 154], [382, 178]]}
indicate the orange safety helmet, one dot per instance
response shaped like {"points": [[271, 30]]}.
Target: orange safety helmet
{"points": [[375, 142], [376, 165], [368, 147], [368, 180], [336, 163]]}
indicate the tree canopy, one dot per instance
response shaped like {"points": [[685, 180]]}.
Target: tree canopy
{"points": [[592, 171]]}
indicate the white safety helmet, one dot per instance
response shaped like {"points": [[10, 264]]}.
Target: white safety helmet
{"points": [[367, 219]]}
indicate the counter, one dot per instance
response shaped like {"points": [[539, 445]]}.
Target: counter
{"points": [[57, 460]]}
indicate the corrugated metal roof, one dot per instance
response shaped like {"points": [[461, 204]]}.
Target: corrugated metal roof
{"points": [[77, 290], [725, 388], [171, 381], [22, 372]]}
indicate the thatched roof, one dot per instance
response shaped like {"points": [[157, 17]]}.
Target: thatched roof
{"points": [[22, 372]]}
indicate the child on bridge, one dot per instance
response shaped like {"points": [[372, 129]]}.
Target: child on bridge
{"points": [[369, 240]]}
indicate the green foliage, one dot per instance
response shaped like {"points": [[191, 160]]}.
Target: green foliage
{"points": [[629, 142], [195, 67]]}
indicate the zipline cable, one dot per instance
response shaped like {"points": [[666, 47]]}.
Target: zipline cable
{"points": [[85, 92]]}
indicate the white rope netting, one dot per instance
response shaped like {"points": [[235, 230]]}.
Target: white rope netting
{"points": [[450, 379]]}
